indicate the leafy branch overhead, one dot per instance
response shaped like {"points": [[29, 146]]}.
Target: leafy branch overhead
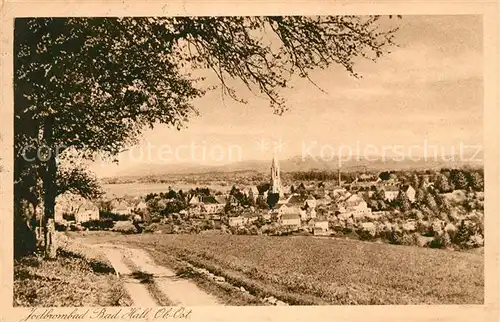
{"points": [[236, 47], [115, 76]]}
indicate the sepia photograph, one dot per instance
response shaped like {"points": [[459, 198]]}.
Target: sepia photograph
{"points": [[294, 160]]}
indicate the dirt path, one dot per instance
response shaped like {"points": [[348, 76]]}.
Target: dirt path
{"points": [[179, 291]]}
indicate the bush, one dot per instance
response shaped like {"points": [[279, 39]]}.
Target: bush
{"points": [[435, 243], [151, 228], [61, 227], [68, 217], [441, 241], [411, 239], [436, 228], [393, 236], [112, 216], [475, 241], [365, 234], [156, 219], [125, 227], [366, 231], [99, 224], [422, 227]]}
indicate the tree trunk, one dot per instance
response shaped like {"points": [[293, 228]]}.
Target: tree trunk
{"points": [[49, 189], [24, 237]]}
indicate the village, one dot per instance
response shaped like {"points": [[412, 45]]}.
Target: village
{"points": [[315, 207]]}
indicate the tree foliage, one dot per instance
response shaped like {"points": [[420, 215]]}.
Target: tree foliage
{"points": [[402, 201], [385, 175], [476, 181], [442, 184]]}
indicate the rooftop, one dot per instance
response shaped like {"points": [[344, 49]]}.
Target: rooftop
{"points": [[390, 188], [290, 216]]}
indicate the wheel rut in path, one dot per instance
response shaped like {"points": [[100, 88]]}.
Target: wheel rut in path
{"points": [[180, 291]]}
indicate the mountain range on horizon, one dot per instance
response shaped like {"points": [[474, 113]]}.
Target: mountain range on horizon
{"points": [[298, 164]]}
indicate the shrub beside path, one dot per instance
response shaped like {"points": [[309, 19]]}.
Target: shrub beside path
{"points": [[180, 291]]}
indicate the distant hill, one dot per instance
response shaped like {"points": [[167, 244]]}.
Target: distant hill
{"points": [[298, 164]]}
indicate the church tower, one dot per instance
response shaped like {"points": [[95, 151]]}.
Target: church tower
{"points": [[275, 178]]}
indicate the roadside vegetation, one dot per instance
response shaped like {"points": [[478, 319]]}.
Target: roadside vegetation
{"points": [[78, 276]]}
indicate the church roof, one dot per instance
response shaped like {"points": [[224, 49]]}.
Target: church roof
{"points": [[297, 199], [208, 200], [279, 205], [390, 188], [220, 199], [405, 188]]}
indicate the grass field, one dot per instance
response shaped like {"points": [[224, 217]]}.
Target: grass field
{"points": [[306, 271]]}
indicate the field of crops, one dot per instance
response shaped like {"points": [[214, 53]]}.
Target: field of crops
{"points": [[305, 270]]}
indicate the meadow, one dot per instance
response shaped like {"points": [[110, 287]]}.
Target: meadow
{"points": [[316, 271]]}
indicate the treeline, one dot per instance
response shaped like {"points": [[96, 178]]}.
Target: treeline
{"points": [[445, 180], [322, 176]]}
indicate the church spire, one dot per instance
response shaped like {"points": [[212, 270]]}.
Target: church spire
{"points": [[275, 176]]}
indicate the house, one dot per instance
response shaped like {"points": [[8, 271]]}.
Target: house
{"points": [[303, 214], [338, 191], [243, 219], [325, 200], [194, 200], [368, 193], [366, 177], [266, 216], [86, 212], [310, 202], [282, 201], [391, 192], [120, 207], [410, 226], [277, 209], [456, 195], [236, 221], [323, 224], [141, 206], [282, 209], [318, 231], [356, 206], [290, 220], [298, 204], [354, 201], [80, 208], [250, 218], [365, 185], [211, 204], [215, 217], [309, 213], [410, 192], [296, 200], [336, 208]]}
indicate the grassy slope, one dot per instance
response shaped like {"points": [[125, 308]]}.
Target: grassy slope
{"points": [[77, 277], [304, 270]]}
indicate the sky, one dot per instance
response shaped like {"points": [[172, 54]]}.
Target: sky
{"points": [[428, 90]]}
